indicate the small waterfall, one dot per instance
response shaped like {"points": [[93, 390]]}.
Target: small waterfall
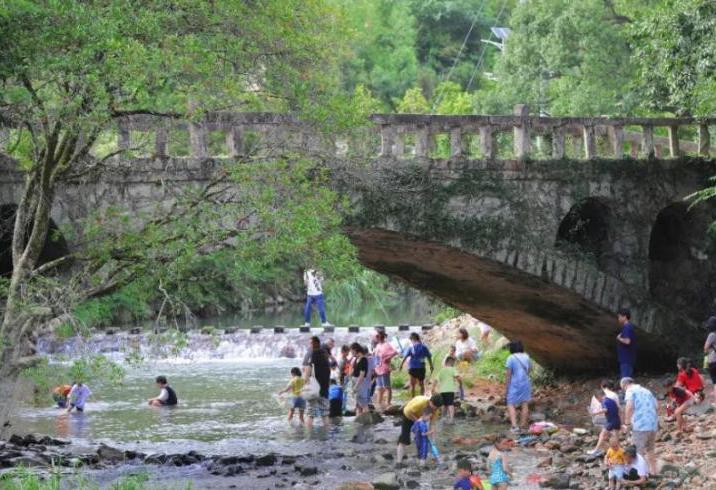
{"points": [[240, 344]]}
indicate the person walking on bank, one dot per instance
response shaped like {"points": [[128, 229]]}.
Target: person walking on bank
{"points": [[626, 344], [710, 351], [518, 389], [314, 295], [642, 413]]}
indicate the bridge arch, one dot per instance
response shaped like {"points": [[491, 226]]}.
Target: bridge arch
{"points": [[676, 259], [54, 248], [586, 227]]}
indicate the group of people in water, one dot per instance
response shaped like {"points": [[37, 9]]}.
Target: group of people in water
{"points": [[75, 396]]}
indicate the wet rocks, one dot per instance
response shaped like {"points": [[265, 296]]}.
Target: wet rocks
{"points": [[267, 460], [369, 418], [356, 485], [557, 480], [305, 470], [110, 454], [386, 481]]}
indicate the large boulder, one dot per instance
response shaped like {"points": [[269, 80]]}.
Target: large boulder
{"points": [[108, 453], [369, 418]]}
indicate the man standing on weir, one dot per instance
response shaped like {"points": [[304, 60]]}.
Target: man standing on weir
{"points": [[314, 294]]}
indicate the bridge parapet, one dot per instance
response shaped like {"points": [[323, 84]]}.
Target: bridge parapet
{"points": [[425, 136]]}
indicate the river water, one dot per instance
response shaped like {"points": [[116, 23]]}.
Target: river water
{"points": [[226, 384]]}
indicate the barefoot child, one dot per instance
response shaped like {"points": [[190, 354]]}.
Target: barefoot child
{"points": [[499, 468], [615, 461], [679, 401], [422, 432], [612, 423], [297, 403], [690, 379], [447, 386], [465, 479]]}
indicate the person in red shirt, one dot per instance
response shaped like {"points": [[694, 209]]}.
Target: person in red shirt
{"points": [[690, 379], [679, 401]]}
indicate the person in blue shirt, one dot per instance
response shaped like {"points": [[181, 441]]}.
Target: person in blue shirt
{"points": [[626, 344], [417, 353], [422, 432], [335, 399], [613, 424]]}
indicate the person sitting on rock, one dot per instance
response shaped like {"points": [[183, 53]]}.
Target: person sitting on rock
{"points": [[636, 471], [465, 347], [167, 396]]}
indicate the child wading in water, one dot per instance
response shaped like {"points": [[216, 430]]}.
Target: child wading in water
{"points": [[447, 386], [614, 459], [422, 432], [297, 403], [499, 468]]}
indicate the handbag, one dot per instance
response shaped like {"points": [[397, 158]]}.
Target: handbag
{"points": [[311, 390]]}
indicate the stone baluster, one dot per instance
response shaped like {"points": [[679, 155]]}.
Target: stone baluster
{"points": [[387, 139], [457, 146], [647, 141], [488, 146], [424, 142], [558, 142], [704, 140], [399, 144], [234, 141], [590, 142], [197, 139], [616, 137], [674, 150], [521, 133], [161, 137], [124, 141], [634, 149]]}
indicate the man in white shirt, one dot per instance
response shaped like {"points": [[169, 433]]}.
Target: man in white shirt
{"points": [[465, 347], [636, 471], [314, 295]]}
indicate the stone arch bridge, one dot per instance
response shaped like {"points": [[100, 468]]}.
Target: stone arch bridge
{"points": [[543, 227]]}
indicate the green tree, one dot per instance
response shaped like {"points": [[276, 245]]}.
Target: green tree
{"points": [[675, 57], [69, 70], [413, 102], [382, 47], [566, 57]]}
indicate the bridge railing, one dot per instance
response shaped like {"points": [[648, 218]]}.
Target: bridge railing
{"points": [[506, 137], [635, 133]]}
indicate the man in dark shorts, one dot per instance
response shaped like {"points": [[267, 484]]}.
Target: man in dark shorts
{"points": [[417, 353], [412, 412], [167, 396]]}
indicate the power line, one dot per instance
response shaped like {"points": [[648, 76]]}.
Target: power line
{"points": [[478, 65], [459, 53]]}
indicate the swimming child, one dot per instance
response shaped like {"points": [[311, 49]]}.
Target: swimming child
{"points": [[77, 397], [167, 396], [499, 468], [447, 386], [465, 479], [421, 431], [614, 459], [335, 399], [297, 402], [679, 401], [60, 394]]}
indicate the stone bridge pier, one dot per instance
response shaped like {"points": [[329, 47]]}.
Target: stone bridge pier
{"points": [[541, 227]]}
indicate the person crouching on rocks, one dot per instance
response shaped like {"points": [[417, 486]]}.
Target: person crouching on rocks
{"points": [[167, 396], [412, 411], [680, 400]]}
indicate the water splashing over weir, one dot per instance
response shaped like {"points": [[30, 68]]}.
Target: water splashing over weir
{"points": [[229, 345]]}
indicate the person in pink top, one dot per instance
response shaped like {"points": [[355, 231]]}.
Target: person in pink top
{"points": [[384, 352]]}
